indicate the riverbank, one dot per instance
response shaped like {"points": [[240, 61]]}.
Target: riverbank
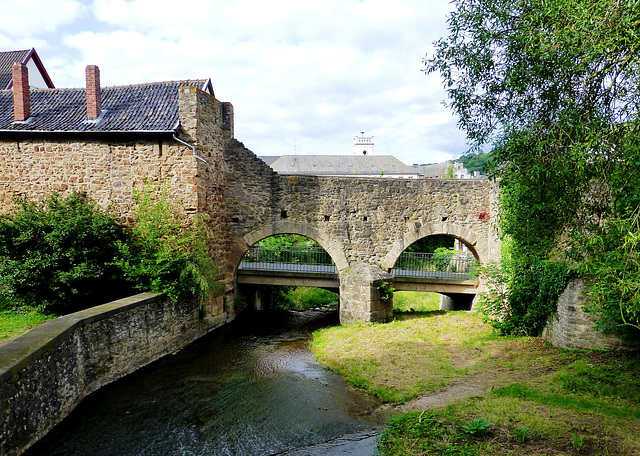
{"points": [[438, 372]]}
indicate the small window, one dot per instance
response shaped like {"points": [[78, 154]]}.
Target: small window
{"points": [[283, 214], [327, 218]]}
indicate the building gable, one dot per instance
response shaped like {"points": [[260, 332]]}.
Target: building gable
{"points": [[38, 76]]}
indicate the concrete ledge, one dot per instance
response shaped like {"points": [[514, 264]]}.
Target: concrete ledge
{"points": [[469, 286], [47, 372], [32, 345]]}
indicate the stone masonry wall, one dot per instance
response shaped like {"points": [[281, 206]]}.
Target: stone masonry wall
{"points": [[571, 327], [45, 373], [108, 170], [363, 223], [366, 218], [111, 168]]}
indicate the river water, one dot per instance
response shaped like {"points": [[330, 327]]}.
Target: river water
{"points": [[249, 388]]}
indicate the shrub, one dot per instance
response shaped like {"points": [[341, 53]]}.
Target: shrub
{"points": [[167, 252], [521, 296], [58, 255], [66, 254]]}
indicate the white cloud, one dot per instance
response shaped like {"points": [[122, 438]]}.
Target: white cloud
{"points": [[28, 18], [310, 73]]}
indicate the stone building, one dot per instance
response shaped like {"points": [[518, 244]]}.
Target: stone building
{"points": [[385, 166], [111, 141], [362, 163]]}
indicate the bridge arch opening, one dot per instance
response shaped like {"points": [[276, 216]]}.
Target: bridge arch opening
{"points": [[435, 272], [288, 271]]}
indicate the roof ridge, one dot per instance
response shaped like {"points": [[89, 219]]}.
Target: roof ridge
{"points": [[142, 84]]}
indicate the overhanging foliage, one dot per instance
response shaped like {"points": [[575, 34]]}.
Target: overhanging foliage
{"points": [[553, 86]]}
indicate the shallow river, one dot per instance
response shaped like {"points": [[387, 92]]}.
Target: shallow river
{"points": [[250, 388]]}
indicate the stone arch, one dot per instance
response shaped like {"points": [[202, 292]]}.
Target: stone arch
{"points": [[478, 248], [333, 248]]}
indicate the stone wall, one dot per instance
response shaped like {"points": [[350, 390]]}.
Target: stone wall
{"points": [[45, 373], [107, 169], [364, 223], [572, 328], [369, 217], [110, 168]]}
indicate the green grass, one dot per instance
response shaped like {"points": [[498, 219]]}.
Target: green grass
{"points": [[567, 402], [308, 297], [403, 359], [409, 301], [14, 323]]}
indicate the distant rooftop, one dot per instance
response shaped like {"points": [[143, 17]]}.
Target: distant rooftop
{"points": [[348, 165], [39, 78]]}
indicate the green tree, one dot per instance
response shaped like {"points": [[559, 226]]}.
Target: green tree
{"points": [[553, 86], [449, 172], [476, 161]]}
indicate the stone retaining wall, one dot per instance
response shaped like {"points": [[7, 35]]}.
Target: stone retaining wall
{"points": [[45, 373], [572, 328]]}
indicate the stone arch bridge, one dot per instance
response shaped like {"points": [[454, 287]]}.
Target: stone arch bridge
{"points": [[363, 223]]}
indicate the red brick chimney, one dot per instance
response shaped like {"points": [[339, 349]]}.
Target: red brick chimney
{"points": [[21, 99], [94, 97]]}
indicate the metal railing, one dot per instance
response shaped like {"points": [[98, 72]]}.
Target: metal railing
{"points": [[435, 265], [288, 258], [317, 260]]}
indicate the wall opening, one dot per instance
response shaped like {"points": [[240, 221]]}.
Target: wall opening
{"points": [[289, 271], [432, 258]]}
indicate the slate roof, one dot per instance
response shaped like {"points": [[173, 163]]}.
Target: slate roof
{"points": [[436, 169], [142, 107], [368, 165], [7, 59], [269, 159]]}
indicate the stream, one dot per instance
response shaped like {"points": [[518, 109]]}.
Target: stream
{"points": [[249, 388]]}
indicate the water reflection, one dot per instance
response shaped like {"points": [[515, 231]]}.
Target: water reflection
{"points": [[251, 388]]}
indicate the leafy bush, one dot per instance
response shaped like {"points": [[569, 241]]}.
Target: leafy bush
{"points": [[612, 264], [167, 252], [521, 297], [66, 254], [59, 255]]}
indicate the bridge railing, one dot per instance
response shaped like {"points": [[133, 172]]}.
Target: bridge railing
{"points": [[317, 260], [436, 265], [288, 258]]}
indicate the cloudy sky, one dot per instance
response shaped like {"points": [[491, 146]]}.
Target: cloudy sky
{"points": [[304, 77]]}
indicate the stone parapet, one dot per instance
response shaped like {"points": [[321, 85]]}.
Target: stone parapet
{"points": [[45, 373]]}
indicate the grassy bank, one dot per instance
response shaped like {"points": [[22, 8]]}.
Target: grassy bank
{"points": [[412, 301], [14, 323], [539, 400]]}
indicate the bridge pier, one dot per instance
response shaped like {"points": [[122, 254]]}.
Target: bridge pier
{"points": [[365, 294], [256, 298]]}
